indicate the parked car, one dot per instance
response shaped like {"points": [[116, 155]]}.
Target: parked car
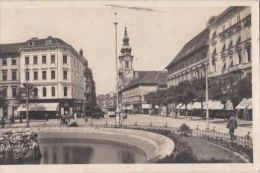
{"points": [[111, 111]]}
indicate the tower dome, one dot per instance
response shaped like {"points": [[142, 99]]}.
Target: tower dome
{"points": [[125, 39]]}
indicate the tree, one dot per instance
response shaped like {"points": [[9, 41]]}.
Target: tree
{"points": [[200, 91], [185, 93], [23, 95]]}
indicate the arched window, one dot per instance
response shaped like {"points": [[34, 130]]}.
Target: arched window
{"points": [[230, 44], [238, 40], [53, 91], [44, 92]]}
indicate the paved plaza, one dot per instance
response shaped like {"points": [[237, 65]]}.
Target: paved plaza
{"points": [[218, 124]]}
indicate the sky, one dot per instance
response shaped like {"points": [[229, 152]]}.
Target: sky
{"points": [[156, 32]]}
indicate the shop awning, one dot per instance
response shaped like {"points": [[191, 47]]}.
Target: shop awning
{"points": [[39, 107], [245, 104], [146, 106], [213, 105], [130, 107]]}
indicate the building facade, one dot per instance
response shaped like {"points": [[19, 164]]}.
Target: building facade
{"points": [[191, 61], [56, 70], [105, 101], [230, 43], [133, 94], [9, 78]]}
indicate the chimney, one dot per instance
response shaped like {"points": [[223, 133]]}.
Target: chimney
{"points": [[81, 52]]}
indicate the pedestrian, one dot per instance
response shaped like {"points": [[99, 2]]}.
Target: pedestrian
{"points": [[75, 116], [232, 125], [2, 122]]}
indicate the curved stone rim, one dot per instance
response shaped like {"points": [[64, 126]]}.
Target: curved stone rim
{"points": [[154, 145]]}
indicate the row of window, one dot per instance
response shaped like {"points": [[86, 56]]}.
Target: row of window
{"points": [[44, 75], [44, 59], [5, 62], [5, 75], [44, 92], [188, 62], [14, 92]]}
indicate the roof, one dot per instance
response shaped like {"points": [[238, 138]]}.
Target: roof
{"points": [[148, 78], [192, 46], [10, 49]]}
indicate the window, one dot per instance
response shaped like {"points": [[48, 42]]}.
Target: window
{"points": [[44, 92], [248, 50], [44, 75], [36, 92], [27, 61], [27, 75], [14, 93], [230, 44], [14, 76], [43, 59], [35, 60], [65, 75], [65, 59], [223, 27], [53, 59], [239, 57], [4, 75], [238, 17], [4, 61], [126, 64], [35, 75], [4, 92], [52, 74], [65, 91], [13, 61], [53, 91]]}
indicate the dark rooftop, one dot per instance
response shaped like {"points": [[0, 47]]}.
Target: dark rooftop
{"points": [[193, 45], [148, 78]]}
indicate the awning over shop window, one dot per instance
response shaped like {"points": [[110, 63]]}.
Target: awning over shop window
{"points": [[146, 106], [214, 105], [130, 107], [245, 104], [39, 107]]}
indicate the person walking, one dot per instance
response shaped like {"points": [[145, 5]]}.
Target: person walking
{"points": [[232, 126], [2, 122]]}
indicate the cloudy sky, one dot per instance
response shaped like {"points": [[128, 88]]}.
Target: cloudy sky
{"points": [[157, 31]]}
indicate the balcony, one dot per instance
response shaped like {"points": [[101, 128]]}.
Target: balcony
{"points": [[240, 67]]}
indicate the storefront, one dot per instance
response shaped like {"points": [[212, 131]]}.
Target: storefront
{"points": [[39, 110]]}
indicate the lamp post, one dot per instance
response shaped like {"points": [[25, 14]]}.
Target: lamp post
{"points": [[207, 97], [117, 102], [27, 97]]}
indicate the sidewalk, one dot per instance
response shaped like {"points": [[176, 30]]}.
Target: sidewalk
{"points": [[218, 124]]}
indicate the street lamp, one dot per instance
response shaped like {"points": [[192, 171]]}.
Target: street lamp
{"points": [[207, 97], [27, 96], [117, 104]]}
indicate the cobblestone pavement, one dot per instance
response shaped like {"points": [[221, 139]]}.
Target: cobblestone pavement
{"points": [[219, 124]]}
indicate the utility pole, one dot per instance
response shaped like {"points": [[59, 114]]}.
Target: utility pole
{"points": [[117, 103]]}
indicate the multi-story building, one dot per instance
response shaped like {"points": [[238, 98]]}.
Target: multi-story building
{"points": [[133, 94], [9, 77], [133, 85], [106, 101], [55, 69], [230, 43], [191, 61]]}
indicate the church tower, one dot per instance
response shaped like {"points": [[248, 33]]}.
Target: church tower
{"points": [[126, 72]]}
